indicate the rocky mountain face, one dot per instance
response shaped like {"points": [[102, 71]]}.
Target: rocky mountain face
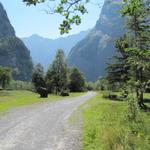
{"points": [[5, 27], [92, 54], [43, 50], [13, 52]]}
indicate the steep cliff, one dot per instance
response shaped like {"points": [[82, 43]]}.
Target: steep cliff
{"points": [[13, 52], [92, 54]]}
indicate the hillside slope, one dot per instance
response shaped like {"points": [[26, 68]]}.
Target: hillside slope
{"points": [[43, 50], [92, 54], [13, 52]]}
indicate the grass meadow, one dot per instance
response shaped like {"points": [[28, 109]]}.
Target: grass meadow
{"points": [[106, 126], [12, 99]]}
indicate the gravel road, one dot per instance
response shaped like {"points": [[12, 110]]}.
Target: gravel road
{"points": [[41, 126]]}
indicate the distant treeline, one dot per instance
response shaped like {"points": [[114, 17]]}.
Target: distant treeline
{"points": [[59, 77]]}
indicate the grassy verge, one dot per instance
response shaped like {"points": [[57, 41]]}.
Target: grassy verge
{"points": [[11, 99], [106, 126]]}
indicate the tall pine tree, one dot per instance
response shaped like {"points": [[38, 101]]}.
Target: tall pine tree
{"points": [[138, 25], [133, 65]]}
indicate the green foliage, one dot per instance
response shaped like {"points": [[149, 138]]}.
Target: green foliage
{"points": [[118, 70], [38, 77], [70, 10], [59, 78], [111, 95], [89, 86], [133, 63], [138, 58], [101, 84], [56, 78], [132, 108], [76, 80], [5, 76]]}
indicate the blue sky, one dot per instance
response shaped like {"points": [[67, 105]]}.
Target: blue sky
{"points": [[33, 20]]}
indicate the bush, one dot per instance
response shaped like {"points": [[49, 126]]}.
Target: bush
{"points": [[110, 95], [89, 86], [64, 93]]}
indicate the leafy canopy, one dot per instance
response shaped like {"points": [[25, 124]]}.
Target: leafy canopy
{"points": [[38, 77], [56, 77], [5, 76], [71, 10]]}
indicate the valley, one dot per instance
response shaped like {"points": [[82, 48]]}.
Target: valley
{"points": [[73, 80]]}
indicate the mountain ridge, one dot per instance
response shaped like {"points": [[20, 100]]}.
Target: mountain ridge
{"points": [[43, 49], [6, 29], [13, 52], [92, 54]]}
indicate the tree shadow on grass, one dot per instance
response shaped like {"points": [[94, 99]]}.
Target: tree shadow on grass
{"points": [[147, 100]]}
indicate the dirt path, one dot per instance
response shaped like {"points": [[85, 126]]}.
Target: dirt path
{"points": [[40, 126]]}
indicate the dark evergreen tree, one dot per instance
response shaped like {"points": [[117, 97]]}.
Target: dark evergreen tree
{"points": [[137, 14], [38, 78], [77, 81], [118, 71], [134, 59]]}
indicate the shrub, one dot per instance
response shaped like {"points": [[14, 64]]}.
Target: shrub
{"points": [[110, 95]]}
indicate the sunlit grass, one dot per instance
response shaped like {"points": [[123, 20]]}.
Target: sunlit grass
{"points": [[106, 126], [11, 99], [147, 95]]}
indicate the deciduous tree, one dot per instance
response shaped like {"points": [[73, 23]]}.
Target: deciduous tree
{"points": [[56, 77], [38, 77], [71, 10], [5, 76]]}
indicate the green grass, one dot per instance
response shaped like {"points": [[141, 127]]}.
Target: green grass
{"points": [[11, 99], [147, 96], [106, 127]]}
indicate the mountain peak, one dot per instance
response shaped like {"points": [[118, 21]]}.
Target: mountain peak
{"points": [[6, 28], [43, 50], [35, 35], [92, 54], [13, 52]]}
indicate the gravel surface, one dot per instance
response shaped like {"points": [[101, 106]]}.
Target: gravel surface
{"points": [[41, 126]]}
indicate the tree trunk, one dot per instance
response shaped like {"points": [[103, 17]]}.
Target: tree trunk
{"points": [[140, 98], [141, 91]]}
